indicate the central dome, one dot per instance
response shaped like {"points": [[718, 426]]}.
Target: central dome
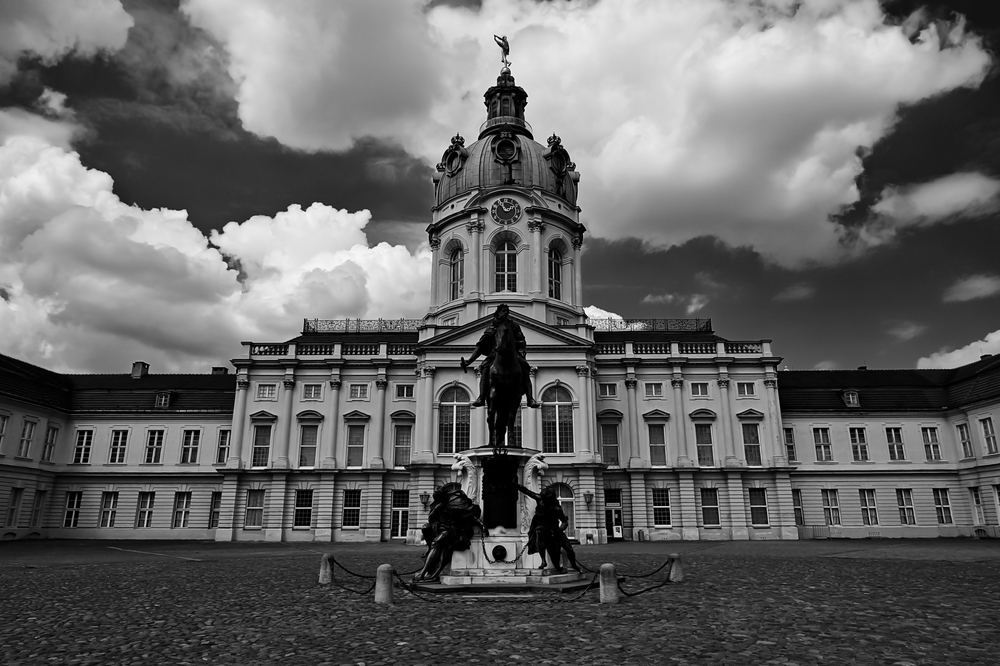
{"points": [[506, 153]]}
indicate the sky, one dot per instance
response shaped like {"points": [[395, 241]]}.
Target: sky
{"points": [[180, 176]]}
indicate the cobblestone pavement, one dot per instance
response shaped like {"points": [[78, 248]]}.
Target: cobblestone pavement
{"points": [[739, 604]]}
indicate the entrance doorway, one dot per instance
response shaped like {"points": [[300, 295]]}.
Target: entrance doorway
{"points": [[400, 520], [613, 523]]}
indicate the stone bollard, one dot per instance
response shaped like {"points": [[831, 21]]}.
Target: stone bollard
{"points": [[609, 584], [325, 571], [383, 584], [676, 573]]}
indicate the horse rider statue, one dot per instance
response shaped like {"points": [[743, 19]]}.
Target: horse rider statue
{"points": [[485, 347]]}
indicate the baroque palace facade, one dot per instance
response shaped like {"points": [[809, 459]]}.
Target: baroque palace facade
{"points": [[652, 429]]}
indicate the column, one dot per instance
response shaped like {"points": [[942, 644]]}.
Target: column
{"points": [[484, 268], [239, 449], [774, 435], [328, 446], [275, 498], [227, 512], [475, 229], [640, 509], [634, 456], [688, 506], [435, 244], [737, 505], [477, 418], [378, 424], [586, 410], [284, 424], [425, 416], [729, 443], [535, 228], [577, 271], [686, 455]]}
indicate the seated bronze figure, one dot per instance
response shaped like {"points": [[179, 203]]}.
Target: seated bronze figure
{"points": [[449, 527]]}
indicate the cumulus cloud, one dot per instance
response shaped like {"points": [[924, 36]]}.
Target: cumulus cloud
{"points": [[796, 292], [90, 283], [745, 124], [692, 302], [49, 29], [906, 330], [970, 353], [972, 287]]}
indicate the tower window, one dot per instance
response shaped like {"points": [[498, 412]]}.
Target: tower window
{"points": [[457, 263], [555, 274], [506, 267]]}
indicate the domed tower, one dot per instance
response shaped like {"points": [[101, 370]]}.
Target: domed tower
{"points": [[505, 224]]}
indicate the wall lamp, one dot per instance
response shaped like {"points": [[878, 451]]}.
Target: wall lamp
{"points": [[425, 499], [588, 497]]}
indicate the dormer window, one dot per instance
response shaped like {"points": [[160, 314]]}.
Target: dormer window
{"points": [[163, 399], [851, 398]]}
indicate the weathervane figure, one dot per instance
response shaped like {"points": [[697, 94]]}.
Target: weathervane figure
{"points": [[505, 47]]}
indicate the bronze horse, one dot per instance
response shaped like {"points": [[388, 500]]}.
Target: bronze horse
{"points": [[506, 385]]}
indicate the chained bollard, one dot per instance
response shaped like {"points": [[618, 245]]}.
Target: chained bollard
{"points": [[325, 570], [383, 584], [676, 573], [609, 584]]}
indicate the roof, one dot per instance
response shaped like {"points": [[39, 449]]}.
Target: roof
{"points": [[30, 383], [889, 390]]}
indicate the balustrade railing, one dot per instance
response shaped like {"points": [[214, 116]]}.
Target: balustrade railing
{"points": [[651, 347], [360, 349], [360, 325], [697, 325], [697, 348], [268, 350], [398, 349], [611, 348], [315, 350], [744, 348]]}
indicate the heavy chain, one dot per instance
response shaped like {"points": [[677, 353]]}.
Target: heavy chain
{"points": [[482, 542]]}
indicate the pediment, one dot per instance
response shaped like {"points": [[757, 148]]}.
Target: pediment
{"points": [[610, 414], [656, 414], [536, 333], [702, 415], [356, 416], [309, 415], [263, 416], [750, 415], [402, 415]]}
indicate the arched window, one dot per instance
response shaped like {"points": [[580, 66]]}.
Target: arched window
{"points": [[453, 422], [555, 274], [506, 267], [565, 495], [457, 263], [557, 420]]}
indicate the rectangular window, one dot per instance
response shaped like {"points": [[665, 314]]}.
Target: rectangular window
{"points": [[215, 510], [404, 391], [84, 442], [661, 507], [831, 507], [608, 390], [894, 438], [14, 506], [745, 389], [699, 389], [355, 445], [222, 450], [182, 509], [609, 444], [797, 506], [312, 391], [978, 514], [307, 445], [703, 441], [654, 390], [189, 446], [27, 434], [3, 428], [869, 511], [402, 442], [657, 445], [303, 508], [965, 437], [859, 444], [261, 455], [36, 508], [267, 391], [904, 502], [253, 517], [989, 435], [48, 449], [154, 447], [932, 448], [74, 500], [359, 392], [751, 444], [399, 522], [144, 510], [790, 444], [352, 508], [758, 506], [942, 505], [109, 508], [613, 497], [821, 439], [710, 507], [162, 400], [119, 442]]}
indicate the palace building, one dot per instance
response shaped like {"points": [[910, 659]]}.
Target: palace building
{"points": [[654, 429]]}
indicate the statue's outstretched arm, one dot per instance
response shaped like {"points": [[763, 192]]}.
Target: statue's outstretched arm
{"points": [[533, 495]]}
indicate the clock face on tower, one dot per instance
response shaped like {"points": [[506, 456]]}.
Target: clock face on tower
{"points": [[505, 210]]}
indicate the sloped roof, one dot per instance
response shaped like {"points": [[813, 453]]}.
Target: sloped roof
{"points": [[29, 383]]}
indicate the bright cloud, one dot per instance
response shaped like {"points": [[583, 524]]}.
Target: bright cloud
{"points": [[91, 283], [796, 292], [595, 312], [972, 287], [967, 354], [906, 330], [692, 303], [741, 120]]}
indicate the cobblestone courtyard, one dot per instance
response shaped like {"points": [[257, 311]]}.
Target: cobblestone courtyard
{"points": [[919, 602]]}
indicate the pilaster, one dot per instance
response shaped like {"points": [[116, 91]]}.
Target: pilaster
{"points": [[240, 449], [737, 506], [634, 455], [328, 447], [378, 424], [284, 426]]}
